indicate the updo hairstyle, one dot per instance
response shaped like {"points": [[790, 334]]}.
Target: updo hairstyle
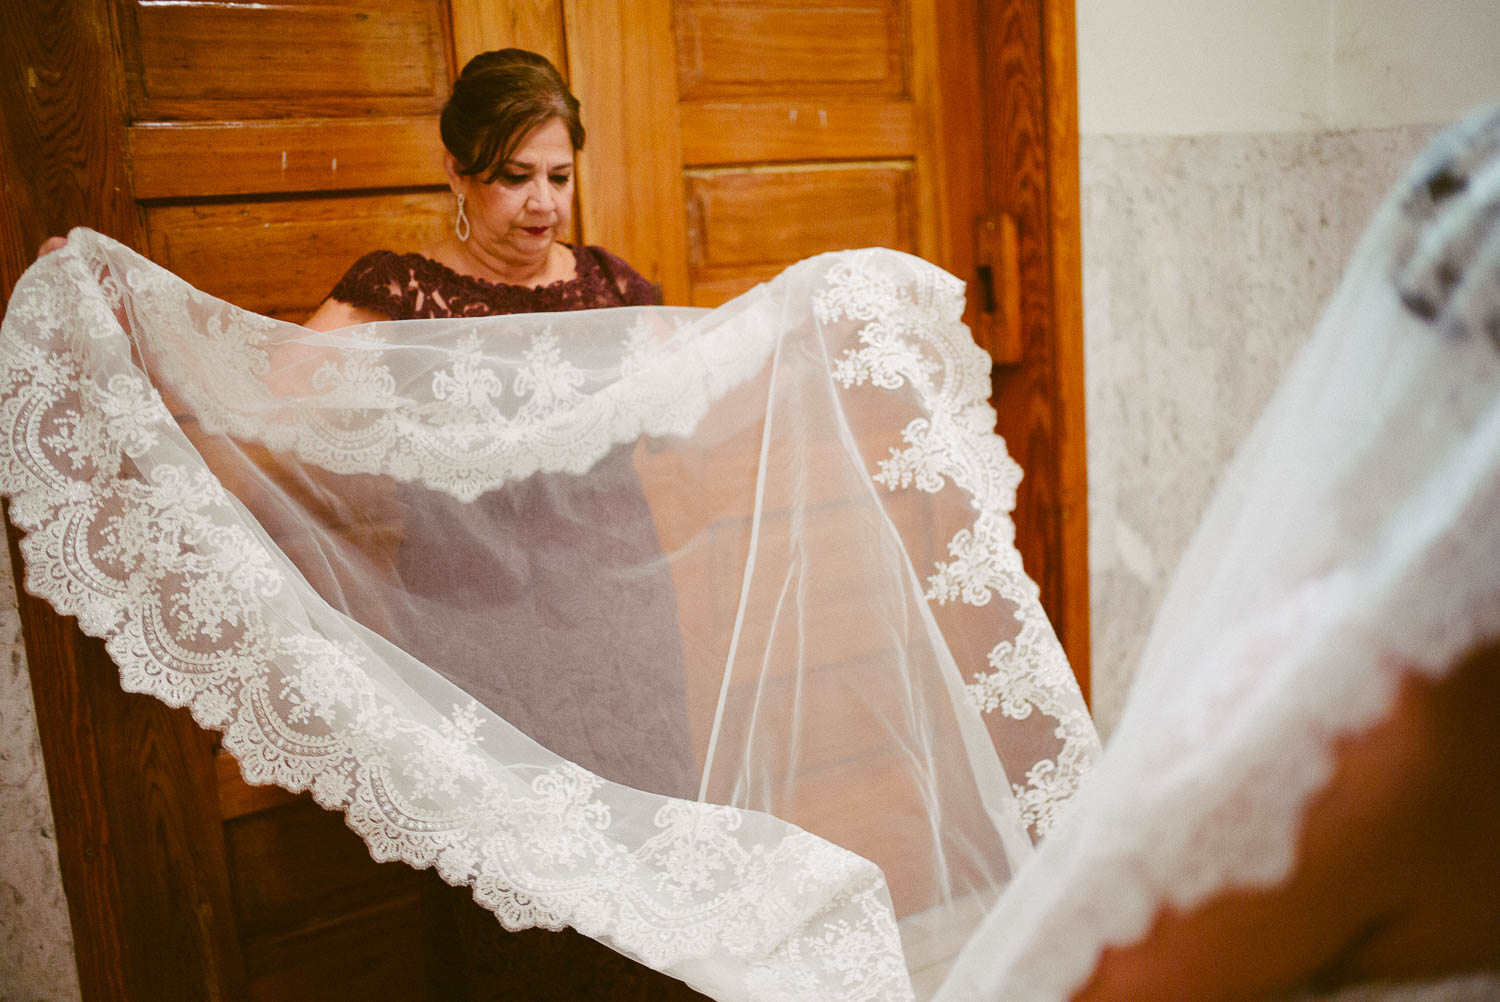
{"points": [[498, 98]]}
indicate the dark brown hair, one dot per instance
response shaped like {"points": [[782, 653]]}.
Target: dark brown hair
{"points": [[498, 98]]}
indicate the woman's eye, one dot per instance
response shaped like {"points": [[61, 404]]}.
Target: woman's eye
{"points": [[509, 178], [561, 179]]}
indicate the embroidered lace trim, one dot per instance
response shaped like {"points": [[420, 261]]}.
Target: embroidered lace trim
{"points": [[911, 334], [129, 532]]}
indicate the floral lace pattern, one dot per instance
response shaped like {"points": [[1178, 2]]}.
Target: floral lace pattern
{"points": [[128, 530], [410, 287], [911, 335], [153, 557], [468, 431]]}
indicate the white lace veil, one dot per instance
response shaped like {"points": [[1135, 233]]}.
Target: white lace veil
{"points": [[1355, 540], [668, 625]]}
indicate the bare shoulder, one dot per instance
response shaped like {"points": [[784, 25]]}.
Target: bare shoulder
{"points": [[334, 313]]}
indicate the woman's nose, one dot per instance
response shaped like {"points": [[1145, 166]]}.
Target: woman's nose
{"points": [[541, 196]]}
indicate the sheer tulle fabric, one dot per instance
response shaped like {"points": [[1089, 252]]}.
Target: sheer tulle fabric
{"points": [[701, 632], [1354, 541]]}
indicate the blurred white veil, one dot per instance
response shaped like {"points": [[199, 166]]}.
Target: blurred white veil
{"points": [[1354, 541], [701, 632]]}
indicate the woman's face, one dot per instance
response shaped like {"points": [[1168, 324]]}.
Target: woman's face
{"points": [[529, 205]]}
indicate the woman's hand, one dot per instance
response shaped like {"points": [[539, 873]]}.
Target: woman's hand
{"points": [[52, 244]]}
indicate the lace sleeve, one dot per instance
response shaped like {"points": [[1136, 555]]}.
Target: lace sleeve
{"points": [[375, 282], [634, 288]]}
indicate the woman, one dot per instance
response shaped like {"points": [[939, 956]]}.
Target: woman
{"points": [[511, 130]]}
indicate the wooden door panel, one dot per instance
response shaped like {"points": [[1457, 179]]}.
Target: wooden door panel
{"points": [[278, 60], [620, 59], [292, 868], [482, 25], [271, 144], [737, 48], [715, 288], [211, 159], [237, 797], [281, 258], [796, 129], [745, 228], [815, 104], [780, 216], [381, 956], [242, 100]]}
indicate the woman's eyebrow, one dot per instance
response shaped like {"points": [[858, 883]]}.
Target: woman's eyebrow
{"points": [[528, 165]]}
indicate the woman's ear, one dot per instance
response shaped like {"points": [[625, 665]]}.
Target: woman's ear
{"points": [[456, 181]]}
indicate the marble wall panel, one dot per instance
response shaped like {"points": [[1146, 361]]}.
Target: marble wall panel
{"points": [[1206, 262], [36, 940]]}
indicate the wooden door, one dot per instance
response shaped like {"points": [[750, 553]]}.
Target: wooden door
{"points": [[779, 129], [257, 149], [745, 135]]}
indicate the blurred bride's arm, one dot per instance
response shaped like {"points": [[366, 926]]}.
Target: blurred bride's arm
{"points": [[1397, 875]]}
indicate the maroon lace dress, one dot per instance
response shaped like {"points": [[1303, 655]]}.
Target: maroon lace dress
{"points": [[413, 287], [622, 651]]}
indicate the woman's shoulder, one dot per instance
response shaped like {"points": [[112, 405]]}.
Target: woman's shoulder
{"points": [[391, 283], [371, 269], [362, 293], [381, 264], [634, 288]]}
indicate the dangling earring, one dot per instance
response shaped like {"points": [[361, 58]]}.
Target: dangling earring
{"points": [[461, 221]]}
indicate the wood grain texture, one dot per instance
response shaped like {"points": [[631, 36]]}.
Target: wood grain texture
{"points": [[1015, 136], [796, 129], [159, 788], [71, 752], [137, 822], [282, 257], [238, 798], [1036, 413], [483, 25], [777, 88], [298, 867], [242, 158], [138, 840], [926, 58], [375, 954], [755, 217], [729, 48], [1060, 69], [951, 156], [717, 286], [630, 183], [61, 99], [278, 60]]}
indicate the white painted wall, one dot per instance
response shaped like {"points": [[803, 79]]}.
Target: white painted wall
{"points": [[1184, 67], [1406, 62], [1232, 151]]}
